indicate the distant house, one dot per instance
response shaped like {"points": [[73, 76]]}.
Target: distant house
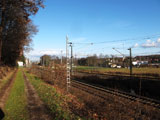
{"points": [[149, 58], [139, 63], [135, 63], [113, 66], [20, 63]]}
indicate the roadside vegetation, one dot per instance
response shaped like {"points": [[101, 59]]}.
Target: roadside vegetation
{"points": [[54, 100], [4, 72], [16, 105]]}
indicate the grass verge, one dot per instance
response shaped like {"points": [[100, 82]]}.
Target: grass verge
{"points": [[52, 99], [5, 80], [16, 105]]}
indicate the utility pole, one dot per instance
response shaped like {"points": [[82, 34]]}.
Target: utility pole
{"points": [[68, 65], [75, 60], [61, 56], [130, 51], [71, 56], [43, 60]]}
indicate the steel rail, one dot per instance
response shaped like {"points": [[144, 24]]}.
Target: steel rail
{"points": [[101, 93]]}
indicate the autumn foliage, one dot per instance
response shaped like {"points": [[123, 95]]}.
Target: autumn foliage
{"points": [[16, 28]]}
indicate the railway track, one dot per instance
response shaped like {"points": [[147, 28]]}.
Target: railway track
{"points": [[103, 93]]}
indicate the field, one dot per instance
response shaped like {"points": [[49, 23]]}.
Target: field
{"points": [[95, 107], [40, 93], [107, 66], [26, 97], [136, 71]]}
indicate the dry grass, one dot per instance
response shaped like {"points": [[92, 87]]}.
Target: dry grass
{"points": [[4, 70], [116, 108], [93, 107]]}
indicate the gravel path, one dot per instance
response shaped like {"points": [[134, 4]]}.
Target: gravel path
{"points": [[37, 109]]}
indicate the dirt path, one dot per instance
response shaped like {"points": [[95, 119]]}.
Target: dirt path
{"points": [[36, 107], [4, 93]]}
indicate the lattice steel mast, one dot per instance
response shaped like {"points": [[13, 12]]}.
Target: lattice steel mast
{"points": [[68, 68]]}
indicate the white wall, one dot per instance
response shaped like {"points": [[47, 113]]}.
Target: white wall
{"points": [[20, 64]]}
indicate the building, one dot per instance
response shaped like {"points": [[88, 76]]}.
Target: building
{"points": [[20, 64]]}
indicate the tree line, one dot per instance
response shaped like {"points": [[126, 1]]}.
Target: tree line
{"points": [[93, 60], [16, 28]]}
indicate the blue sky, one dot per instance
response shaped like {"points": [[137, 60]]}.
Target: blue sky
{"points": [[95, 21]]}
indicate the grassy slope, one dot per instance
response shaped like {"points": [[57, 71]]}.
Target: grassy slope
{"points": [[16, 104], [51, 98]]}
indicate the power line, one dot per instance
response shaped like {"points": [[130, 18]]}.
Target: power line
{"points": [[92, 51], [122, 40], [133, 39], [103, 49]]}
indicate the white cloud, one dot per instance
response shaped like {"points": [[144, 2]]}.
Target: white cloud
{"points": [[50, 52], [158, 40], [150, 43], [136, 45], [35, 54]]}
